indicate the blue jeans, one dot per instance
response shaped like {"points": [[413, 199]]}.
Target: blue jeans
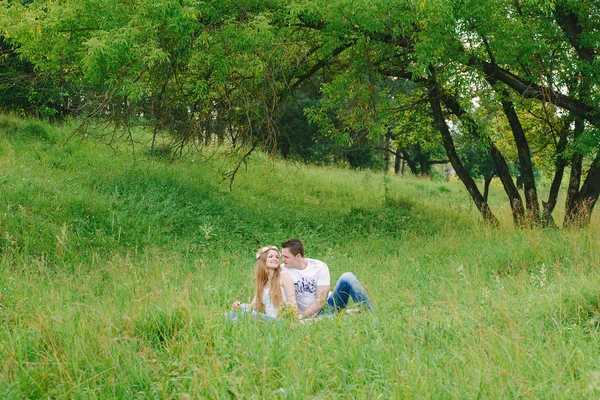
{"points": [[347, 287]]}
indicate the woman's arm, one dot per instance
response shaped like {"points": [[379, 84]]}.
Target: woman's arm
{"points": [[236, 304], [288, 287]]}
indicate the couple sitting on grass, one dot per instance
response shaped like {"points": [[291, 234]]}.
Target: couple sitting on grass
{"points": [[299, 287]]}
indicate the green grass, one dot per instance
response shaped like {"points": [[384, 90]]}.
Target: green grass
{"points": [[116, 270]]}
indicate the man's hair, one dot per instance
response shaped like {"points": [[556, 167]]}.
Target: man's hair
{"points": [[295, 246]]}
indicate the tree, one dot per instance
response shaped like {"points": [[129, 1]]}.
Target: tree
{"points": [[451, 41], [187, 65], [23, 89], [297, 138], [478, 163]]}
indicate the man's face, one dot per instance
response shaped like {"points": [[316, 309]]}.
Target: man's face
{"points": [[290, 260]]}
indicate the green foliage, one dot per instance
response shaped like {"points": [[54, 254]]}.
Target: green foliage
{"points": [[200, 71], [476, 159], [25, 90], [298, 139], [358, 106], [167, 63]]}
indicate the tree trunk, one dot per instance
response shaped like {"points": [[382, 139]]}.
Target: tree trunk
{"points": [[411, 164], [573, 189], [423, 161], [397, 161], [581, 204], [588, 196], [516, 203], [531, 197], [574, 180], [559, 171], [486, 185], [433, 92], [570, 25], [548, 206], [502, 170], [386, 153]]}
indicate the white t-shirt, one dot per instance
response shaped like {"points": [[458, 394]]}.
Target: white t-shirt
{"points": [[306, 281]]}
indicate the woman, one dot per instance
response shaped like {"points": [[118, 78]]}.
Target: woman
{"points": [[274, 289]]}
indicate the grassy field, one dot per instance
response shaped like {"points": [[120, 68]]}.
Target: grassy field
{"points": [[116, 270]]}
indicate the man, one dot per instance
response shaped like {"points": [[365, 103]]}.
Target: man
{"points": [[312, 283]]}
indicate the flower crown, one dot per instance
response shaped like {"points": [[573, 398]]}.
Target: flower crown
{"points": [[267, 248]]}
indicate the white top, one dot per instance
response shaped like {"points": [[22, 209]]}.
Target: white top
{"points": [[306, 281], [270, 308]]}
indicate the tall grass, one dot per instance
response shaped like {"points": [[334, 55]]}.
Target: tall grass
{"points": [[116, 270]]}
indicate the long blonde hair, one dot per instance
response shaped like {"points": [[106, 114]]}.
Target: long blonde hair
{"points": [[262, 277]]}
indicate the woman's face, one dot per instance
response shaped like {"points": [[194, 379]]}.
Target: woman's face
{"points": [[273, 259]]}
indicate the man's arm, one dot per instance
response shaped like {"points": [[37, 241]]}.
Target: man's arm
{"points": [[315, 307]]}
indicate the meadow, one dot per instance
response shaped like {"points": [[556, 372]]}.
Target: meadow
{"points": [[117, 267]]}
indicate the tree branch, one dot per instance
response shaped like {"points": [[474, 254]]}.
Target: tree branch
{"points": [[532, 90]]}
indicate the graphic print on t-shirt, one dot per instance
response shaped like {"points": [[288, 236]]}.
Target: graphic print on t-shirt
{"points": [[305, 286]]}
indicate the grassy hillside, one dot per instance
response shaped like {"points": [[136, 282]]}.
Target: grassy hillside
{"points": [[116, 269]]}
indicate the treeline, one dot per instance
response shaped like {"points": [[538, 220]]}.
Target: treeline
{"points": [[502, 89]]}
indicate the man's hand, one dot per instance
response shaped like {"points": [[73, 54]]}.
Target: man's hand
{"points": [[315, 307]]}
